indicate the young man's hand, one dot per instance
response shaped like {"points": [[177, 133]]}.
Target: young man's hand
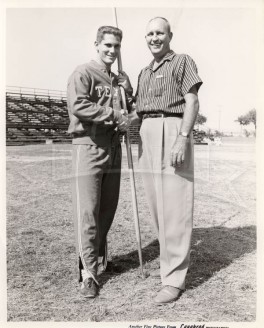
{"points": [[121, 120], [123, 81], [123, 124], [134, 118]]}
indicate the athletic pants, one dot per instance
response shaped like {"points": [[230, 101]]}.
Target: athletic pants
{"points": [[95, 191], [169, 193]]}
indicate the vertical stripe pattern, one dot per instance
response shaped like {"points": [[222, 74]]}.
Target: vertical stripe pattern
{"points": [[164, 88]]}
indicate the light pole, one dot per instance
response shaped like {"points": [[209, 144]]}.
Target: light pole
{"points": [[219, 118]]}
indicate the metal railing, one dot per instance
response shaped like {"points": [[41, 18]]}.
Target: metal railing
{"points": [[36, 92]]}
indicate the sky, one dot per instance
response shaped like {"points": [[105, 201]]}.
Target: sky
{"points": [[44, 45]]}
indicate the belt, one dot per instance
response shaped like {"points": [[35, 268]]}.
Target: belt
{"points": [[154, 115]]}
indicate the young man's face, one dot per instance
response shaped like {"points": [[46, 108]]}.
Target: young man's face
{"points": [[108, 49], [158, 37]]}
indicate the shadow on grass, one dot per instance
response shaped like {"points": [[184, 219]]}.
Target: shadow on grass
{"points": [[212, 250], [216, 248]]}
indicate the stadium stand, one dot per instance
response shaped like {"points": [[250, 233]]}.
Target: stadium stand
{"points": [[38, 115]]}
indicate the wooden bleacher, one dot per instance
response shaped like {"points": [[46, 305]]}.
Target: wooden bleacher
{"points": [[35, 115]]}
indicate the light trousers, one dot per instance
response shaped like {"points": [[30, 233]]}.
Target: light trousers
{"points": [[169, 193]]}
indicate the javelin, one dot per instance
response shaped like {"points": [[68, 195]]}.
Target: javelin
{"points": [[130, 165]]}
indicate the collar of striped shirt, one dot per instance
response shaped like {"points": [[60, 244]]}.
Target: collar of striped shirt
{"points": [[169, 55]]}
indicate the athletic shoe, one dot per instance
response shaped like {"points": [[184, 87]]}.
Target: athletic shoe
{"points": [[102, 265], [89, 288]]}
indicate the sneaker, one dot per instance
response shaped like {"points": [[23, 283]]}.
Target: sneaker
{"points": [[89, 288], [102, 261], [100, 269], [102, 264]]}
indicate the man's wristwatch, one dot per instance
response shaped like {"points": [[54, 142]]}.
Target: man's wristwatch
{"points": [[184, 134]]}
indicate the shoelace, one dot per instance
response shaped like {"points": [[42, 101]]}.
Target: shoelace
{"points": [[89, 282], [85, 275]]}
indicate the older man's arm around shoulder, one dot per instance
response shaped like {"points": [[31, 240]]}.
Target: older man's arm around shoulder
{"points": [[179, 147]]}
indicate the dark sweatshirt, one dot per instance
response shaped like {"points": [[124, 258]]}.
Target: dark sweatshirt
{"points": [[93, 98]]}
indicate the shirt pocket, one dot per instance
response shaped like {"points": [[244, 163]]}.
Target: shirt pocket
{"points": [[160, 85]]}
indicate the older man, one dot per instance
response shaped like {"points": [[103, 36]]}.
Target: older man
{"points": [[95, 119], [167, 103]]}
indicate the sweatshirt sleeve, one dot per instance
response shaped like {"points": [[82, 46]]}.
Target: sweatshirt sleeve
{"points": [[81, 105]]}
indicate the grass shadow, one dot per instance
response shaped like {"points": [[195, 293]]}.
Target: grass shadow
{"points": [[212, 249], [216, 248], [126, 262]]}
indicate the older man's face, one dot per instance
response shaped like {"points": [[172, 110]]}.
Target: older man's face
{"points": [[158, 38]]}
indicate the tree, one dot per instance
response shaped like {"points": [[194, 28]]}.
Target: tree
{"points": [[252, 116], [249, 117], [200, 120], [243, 120], [218, 133]]}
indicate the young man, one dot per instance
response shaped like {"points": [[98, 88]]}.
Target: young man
{"points": [[96, 119], [168, 104]]}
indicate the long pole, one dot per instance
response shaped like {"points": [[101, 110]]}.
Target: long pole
{"points": [[130, 167]]}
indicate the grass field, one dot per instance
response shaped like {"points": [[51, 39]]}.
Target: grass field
{"points": [[221, 282]]}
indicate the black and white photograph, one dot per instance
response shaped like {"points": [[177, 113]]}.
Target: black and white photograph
{"points": [[131, 163]]}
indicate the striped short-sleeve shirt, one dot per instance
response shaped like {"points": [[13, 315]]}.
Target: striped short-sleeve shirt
{"points": [[163, 88]]}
